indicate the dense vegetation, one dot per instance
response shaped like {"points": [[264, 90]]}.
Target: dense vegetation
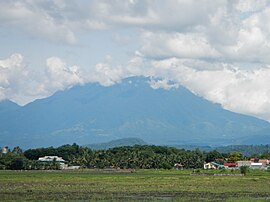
{"points": [[137, 156], [247, 150], [122, 157], [126, 157]]}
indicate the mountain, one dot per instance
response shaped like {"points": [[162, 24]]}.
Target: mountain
{"points": [[117, 143], [7, 106], [93, 114]]}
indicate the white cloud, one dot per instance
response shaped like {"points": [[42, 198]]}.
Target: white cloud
{"points": [[60, 76], [19, 83], [61, 20], [15, 60], [106, 75], [187, 28], [243, 91], [10, 69], [162, 83], [33, 17], [251, 5], [164, 45]]}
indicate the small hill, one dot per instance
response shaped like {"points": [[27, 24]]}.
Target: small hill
{"points": [[117, 143]]}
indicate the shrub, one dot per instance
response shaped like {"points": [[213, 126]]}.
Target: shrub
{"points": [[244, 170]]}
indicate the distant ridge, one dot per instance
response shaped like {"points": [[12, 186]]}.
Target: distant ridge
{"points": [[247, 150], [117, 143]]}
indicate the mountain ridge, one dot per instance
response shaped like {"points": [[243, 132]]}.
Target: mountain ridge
{"points": [[93, 113]]}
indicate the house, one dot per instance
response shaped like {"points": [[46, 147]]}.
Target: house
{"points": [[218, 165], [66, 167], [243, 163], [51, 159], [5, 150], [60, 160], [178, 166], [212, 165], [257, 165], [207, 166], [265, 162], [257, 160]]}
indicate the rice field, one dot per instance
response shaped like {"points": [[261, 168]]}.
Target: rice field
{"points": [[132, 185]]}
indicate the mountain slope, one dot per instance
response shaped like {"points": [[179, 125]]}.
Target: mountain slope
{"points": [[117, 143], [93, 114], [7, 106]]}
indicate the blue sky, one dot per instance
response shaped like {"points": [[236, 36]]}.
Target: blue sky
{"points": [[217, 49]]}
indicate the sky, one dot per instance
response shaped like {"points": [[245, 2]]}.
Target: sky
{"points": [[217, 49]]}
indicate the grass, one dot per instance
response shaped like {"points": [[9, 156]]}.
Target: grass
{"points": [[130, 185]]}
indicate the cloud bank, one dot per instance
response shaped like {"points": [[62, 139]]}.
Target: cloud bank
{"points": [[217, 49]]}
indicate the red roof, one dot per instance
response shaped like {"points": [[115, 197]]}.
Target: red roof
{"points": [[230, 164], [263, 161], [260, 160]]}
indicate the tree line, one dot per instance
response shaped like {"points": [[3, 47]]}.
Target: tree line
{"points": [[125, 157]]}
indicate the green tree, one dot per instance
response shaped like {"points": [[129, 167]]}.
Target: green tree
{"points": [[17, 150], [235, 156], [244, 170], [212, 156], [17, 164]]}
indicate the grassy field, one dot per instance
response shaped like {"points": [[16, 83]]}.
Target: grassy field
{"points": [[131, 185]]}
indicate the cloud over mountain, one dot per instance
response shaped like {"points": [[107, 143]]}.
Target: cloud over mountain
{"points": [[218, 49]]}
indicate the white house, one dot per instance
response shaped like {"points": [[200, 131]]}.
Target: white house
{"points": [[60, 160], [257, 165], [207, 166], [178, 166], [51, 159], [5, 150]]}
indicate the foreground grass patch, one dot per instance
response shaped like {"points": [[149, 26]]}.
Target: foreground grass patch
{"points": [[130, 185]]}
